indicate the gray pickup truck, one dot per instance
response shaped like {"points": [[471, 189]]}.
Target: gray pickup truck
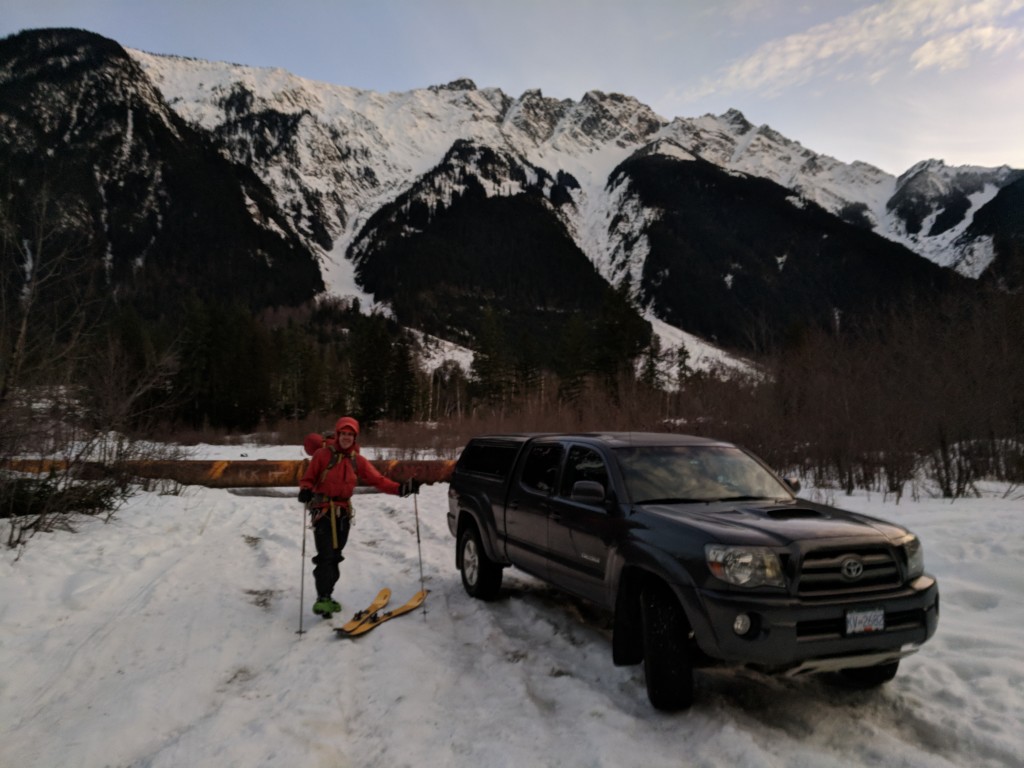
{"points": [[703, 555]]}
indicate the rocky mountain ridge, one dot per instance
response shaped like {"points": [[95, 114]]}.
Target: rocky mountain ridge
{"points": [[372, 146]]}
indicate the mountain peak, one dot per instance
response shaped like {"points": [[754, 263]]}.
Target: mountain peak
{"points": [[923, 166], [44, 41], [738, 120], [460, 84]]}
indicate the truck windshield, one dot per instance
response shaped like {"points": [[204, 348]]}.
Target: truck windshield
{"points": [[696, 473]]}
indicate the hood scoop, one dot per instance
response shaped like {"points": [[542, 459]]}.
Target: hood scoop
{"points": [[787, 513]]}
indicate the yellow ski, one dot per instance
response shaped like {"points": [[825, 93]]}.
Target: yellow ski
{"points": [[364, 615], [379, 618]]}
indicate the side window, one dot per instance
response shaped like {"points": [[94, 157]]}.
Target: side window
{"points": [[540, 472], [485, 459], [583, 464]]}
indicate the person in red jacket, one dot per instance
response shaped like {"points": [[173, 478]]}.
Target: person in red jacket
{"points": [[326, 488]]}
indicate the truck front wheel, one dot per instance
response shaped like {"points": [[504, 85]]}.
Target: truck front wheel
{"points": [[481, 576], [668, 668]]}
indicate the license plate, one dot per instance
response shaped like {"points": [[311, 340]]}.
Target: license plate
{"points": [[859, 622]]}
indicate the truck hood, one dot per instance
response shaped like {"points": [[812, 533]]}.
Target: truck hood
{"points": [[767, 524]]}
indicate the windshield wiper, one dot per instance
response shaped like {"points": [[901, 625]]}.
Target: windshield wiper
{"points": [[744, 498], [681, 500], [672, 500]]}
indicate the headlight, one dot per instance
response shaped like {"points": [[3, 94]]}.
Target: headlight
{"points": [[915, 557], [745, 566]]}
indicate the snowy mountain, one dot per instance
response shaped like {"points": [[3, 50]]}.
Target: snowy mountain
{"points": [[322, 144], [718, 227], [101, 163], [335, 155]]}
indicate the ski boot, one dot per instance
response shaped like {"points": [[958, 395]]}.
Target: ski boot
{"points": [[326, 606]]}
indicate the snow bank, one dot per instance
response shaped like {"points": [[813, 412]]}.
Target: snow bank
{"points": [[167, 637]]}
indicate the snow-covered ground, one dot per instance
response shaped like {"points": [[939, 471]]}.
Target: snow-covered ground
{"points": [[167, 637]]}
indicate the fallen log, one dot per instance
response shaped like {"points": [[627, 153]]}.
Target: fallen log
{"points": [[260, 473]]}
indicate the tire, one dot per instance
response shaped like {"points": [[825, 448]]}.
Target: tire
{"points": [[668, 666], [481, 576], [870, 677]]}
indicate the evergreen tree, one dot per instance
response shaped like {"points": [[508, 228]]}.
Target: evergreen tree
{"points": [[574, 358], [401, 384], [619, 336], [296, 372], [683, 369], [224, 379], [493, 369], [193, 379], [369, 355], [649, 371]]}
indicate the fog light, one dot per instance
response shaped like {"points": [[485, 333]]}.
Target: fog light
{"points": [[741, 624]]}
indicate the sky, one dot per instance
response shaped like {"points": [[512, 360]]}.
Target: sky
{"points": [[888, 82], [167, 637]]}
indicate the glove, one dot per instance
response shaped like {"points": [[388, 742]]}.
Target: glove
{"points": [[409, 486], [306, 495]]}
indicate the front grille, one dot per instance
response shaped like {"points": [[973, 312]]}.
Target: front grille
{"points": [[822, 573]]}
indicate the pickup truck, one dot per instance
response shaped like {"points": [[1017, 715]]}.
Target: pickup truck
{"points": [[702, 554]]}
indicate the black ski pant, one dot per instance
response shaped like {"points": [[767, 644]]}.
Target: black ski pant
{"points": [[327, 558]]}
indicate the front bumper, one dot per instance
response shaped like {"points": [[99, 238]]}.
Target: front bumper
{"points": [[800, 636]]}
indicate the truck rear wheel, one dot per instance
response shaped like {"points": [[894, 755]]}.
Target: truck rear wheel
{"points": [[668, 668], [481, 576]]}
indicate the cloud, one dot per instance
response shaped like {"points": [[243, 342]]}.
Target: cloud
{"points": [[942, 34], [955, 51]]}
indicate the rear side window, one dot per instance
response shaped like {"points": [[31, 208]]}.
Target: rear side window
{"points": [[488, 459]]}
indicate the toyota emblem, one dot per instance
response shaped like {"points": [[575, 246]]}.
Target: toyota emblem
{"points": [[852, 568]]}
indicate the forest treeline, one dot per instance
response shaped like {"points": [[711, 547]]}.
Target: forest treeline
{"points": [[922, 399], [937, 390]]}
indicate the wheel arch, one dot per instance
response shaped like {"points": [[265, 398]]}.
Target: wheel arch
{"points": [[627, 627], [468, 517]]}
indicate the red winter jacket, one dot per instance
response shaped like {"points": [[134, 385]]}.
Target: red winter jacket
{"points": [[340, 481]]}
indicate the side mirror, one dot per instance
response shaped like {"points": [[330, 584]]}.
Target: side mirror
{"points": [[587, 492], [793, 482]]}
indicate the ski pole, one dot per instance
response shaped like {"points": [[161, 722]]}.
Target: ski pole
{"points": [[302, 578], [419, 548]]}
